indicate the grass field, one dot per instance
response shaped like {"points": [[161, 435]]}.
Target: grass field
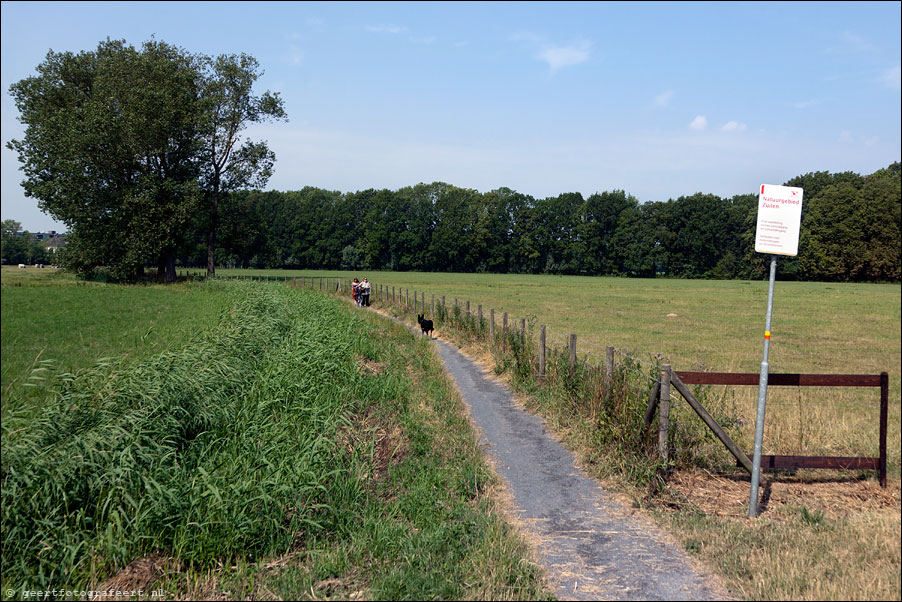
{"points": [[718, 326], [285, 447], [53, 324], [821, 536]]}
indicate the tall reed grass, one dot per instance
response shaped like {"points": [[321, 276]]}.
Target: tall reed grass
{"points": [[225, 448]]}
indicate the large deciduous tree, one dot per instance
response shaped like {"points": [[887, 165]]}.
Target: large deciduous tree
{"points": [[111, 149], [231, 163], [128, 147]]}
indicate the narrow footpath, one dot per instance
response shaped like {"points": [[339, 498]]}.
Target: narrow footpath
{"points": [[591, 546]]}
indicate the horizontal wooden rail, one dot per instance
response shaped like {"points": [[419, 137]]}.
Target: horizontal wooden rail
{"points": [[805, 380], [839, 462], [778, 380]]}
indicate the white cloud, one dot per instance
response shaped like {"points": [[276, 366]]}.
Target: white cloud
{"points": [[392, 29], [699, 123], [733, 126], [892, 78], [564, 56], [663, 99]]}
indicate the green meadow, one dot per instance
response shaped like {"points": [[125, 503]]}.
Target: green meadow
{"points": [[160, 425], [711, 325], [54, 324], [718, 324], [269, 443]]}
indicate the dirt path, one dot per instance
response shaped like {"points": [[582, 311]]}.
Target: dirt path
{"points": [[592, 547]]}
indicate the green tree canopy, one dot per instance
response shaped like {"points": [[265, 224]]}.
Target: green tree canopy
{"points": [[134, 148], [229, 162], [110, 149]]}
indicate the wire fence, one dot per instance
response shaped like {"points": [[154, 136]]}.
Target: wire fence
{"points": [[587, 376]]}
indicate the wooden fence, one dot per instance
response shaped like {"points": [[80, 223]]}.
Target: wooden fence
{"points": [[679, 380], [660, 396]]}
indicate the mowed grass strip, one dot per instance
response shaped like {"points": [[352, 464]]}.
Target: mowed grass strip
{"points": [[289, 436]]}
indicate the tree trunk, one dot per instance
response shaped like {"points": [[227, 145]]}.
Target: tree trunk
{"points": [[211, 244], [211, 235], [170, 266]]}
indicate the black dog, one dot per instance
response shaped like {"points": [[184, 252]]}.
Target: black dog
{"points": [[426, 325]]}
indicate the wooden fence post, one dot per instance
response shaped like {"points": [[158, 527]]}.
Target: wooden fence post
{"points": [[479, 318], [492, 325], [572, 354], [542, 354], [884, 413], [504, 333], [609, 369], [664, 414], [653, 401]]}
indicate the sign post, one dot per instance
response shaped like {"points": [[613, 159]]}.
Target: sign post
{"points": [[776, 233]]}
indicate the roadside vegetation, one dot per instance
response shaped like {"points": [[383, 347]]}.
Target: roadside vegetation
{"points": [[714, 326], [290, 448], [822, 535]]}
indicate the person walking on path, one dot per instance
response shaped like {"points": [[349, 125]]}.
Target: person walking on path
{"points": [[364, 293]]}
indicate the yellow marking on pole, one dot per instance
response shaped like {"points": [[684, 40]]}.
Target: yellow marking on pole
{"points": [[767, 334]]}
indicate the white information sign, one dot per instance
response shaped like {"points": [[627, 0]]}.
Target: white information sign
{"points": [[779, 218]]}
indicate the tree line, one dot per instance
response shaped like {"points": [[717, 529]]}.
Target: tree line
{"points": [[139, 151], [850, 231], [17, 246]]}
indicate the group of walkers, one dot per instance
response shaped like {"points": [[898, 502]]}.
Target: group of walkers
{"points": [[360, 292]]}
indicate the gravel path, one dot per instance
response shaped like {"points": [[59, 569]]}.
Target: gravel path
{"points": [[592, 547]]}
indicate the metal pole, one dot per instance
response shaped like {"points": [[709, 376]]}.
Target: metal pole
{"points": [[762, 395]]}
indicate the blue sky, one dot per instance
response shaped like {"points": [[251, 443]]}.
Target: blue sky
{"points": [[658, 99]]}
